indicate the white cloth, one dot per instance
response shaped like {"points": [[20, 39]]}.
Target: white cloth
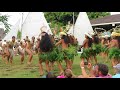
{"points": [[1, 48], [21, 50]]}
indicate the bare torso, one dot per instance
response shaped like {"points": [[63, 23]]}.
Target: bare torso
{"points": [[28, 45], [114, 43], [103, 42], [64, 45], [85, 43]]}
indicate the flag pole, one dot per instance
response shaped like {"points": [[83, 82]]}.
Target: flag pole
{"points": [[21, 25], [73, 22]]}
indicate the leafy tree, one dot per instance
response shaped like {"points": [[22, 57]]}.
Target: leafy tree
{"points": [[58, 19], [4, 20], [94, 15]]}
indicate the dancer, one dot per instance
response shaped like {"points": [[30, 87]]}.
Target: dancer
{"points": [[45, 46], [29, 51], [64, 41], [21, 50], [87, 43]]}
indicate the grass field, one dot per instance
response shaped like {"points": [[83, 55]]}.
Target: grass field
{"points": [[18, 70]]}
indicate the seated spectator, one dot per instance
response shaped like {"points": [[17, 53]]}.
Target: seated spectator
{"points": [[49, 75], [67, 74], [61, 75], [98, 71], [103, 71], [117, 71]]}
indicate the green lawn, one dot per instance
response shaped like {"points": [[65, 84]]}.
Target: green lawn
{"points": [[24, 71]]}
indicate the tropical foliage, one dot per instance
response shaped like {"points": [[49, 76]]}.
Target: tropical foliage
{"points": [[4, 20], [96, 49], [114, 53], [60, 19], [58, 54], [94, 15], [104, 49], [86, 53], [93, 51], [70, 52]]}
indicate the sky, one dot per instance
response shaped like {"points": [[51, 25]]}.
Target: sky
{"points": [[14, 17]]}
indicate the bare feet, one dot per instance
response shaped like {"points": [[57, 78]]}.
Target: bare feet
{"points": [[41, 73], [29, 63]]}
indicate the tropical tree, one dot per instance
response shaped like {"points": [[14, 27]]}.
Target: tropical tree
{"points": [[94, 15], [4, 20], [58, 19], [61, 18]]}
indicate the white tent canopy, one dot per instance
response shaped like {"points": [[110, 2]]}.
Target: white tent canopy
{"points": [[13, 31], [33, 23], [81, 27], [70, 30]]}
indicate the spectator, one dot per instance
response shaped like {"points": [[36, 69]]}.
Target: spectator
{"points": [[117, 71], [69, 73], [50, 75], [98, 71], [61, 75]]}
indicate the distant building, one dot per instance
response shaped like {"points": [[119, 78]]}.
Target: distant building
{"points": [[107, 22], [2, 33]]}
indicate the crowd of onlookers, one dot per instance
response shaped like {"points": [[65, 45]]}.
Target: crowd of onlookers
{"points": [[95, 71]]}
